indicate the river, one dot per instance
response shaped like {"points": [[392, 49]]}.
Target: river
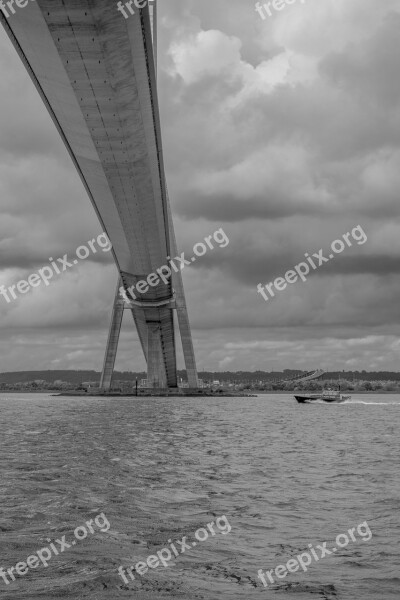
{"points": [[283, 476]]}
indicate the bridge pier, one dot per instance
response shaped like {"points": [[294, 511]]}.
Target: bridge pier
{"points": [[112, 341], [156, 376], [152, 339]]}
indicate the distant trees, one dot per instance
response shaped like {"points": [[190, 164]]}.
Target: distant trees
{"points": [[366, 385]]}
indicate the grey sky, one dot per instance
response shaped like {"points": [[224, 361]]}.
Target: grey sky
{"points": [[286, 133]]}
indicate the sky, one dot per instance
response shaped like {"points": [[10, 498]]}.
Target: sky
{"points": [[283, 131]]}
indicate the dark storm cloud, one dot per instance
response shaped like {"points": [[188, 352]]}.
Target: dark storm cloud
{"points": [[275, 204], [247, 269], [28, 259]]}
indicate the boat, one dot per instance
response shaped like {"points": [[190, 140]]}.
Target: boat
{"points": [[329, 396]]}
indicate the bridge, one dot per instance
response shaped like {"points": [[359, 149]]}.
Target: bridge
{"points": [[95, 70], [303, 376]]}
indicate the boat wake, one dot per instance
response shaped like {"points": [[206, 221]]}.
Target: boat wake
{"points": [[347, 402], [372, 403]]}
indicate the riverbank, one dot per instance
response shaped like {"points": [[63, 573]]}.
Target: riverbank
{"points": [[175, 393]]}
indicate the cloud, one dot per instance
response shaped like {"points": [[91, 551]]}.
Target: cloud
{"points": [[208, 54]]}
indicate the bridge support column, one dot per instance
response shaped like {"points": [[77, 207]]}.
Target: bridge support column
{"points": [[156, 377], [112, 342], [182, 314], [187, 344]]}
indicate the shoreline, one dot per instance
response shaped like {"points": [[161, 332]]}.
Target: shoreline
{"points": [[224, 394], [159, 394]]}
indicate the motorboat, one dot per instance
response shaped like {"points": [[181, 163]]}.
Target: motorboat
{"points": [[329, 396]]}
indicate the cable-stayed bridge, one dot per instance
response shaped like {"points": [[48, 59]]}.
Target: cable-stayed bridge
{"points": [[96, 73]]}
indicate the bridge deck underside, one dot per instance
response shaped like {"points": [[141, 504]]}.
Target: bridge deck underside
{"points": [[95, 71]]}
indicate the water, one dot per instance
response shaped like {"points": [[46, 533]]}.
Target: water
{"points": [[284, 475]]}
